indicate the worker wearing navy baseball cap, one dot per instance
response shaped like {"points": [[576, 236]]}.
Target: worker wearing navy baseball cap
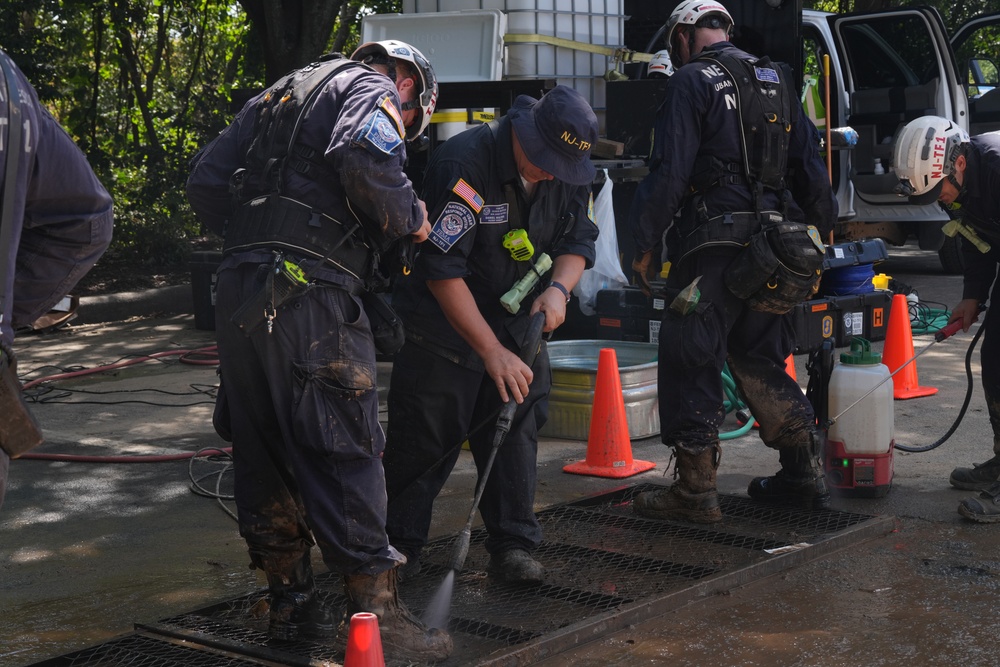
{"points": [[500, 195]]}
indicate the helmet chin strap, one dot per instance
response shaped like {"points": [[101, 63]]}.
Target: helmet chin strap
{"points": [[958, 186]]}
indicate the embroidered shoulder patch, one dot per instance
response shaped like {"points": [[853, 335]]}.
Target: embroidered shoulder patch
{"points": [[453, 223], [390, 110], [590, 209], [379, 133], [468, 193]]}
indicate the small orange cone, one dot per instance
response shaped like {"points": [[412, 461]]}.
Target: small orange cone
{"points": [[609, 448], [364, 643], [898, 349], [790, 368]]}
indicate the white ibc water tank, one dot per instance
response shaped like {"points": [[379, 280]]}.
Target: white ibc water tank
{"points": [[868, 427], [593, 22]]}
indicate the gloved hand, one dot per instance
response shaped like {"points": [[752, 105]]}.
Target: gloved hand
{"points": [[640, 270]]}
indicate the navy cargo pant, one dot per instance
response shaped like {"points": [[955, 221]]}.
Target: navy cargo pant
{"points": [[694, 349], [433, 405], [990, 359], [303, 413]]}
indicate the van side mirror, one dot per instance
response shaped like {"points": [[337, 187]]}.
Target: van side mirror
{"points": [[983, 77]]}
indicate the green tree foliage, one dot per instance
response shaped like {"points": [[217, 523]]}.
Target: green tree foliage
{"points": [[141, 85]]}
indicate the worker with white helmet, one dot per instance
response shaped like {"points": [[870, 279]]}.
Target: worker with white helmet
{"points": [[730, 147], [936, 160], [308, 190]]}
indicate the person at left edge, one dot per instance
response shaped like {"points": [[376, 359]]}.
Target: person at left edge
{"points": [[530, 170], [301, 392], [61, 221]]}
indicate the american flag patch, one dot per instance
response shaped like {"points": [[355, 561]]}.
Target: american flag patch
{"points": [[390, 110], [471, 197]]}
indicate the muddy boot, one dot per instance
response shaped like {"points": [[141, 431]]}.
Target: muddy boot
{"points": [[296, 616], [693, 496], [403, 635], [296, 611], [977, 478], [983, 509], [799, 483], [516, 566]]}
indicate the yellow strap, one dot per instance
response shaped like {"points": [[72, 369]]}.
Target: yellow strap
{"points": [[463, 117], [621, 54]]}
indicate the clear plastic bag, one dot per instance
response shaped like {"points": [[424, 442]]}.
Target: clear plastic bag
{"points": [[607, 270]]}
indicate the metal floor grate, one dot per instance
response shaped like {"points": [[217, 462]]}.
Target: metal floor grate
{"points": [[606, 568]]}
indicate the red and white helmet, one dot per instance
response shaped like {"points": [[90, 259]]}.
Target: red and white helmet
{"points": [[660, 65], [388, 52], [924, 155], [699, 13]]}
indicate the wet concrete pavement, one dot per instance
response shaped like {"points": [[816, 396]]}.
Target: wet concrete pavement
{"points": [[88, 549]]}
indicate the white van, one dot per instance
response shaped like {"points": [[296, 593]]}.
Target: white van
{"points": [[887, 68]]}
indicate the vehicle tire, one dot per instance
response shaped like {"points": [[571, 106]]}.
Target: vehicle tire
{"points": [[951, 255]]}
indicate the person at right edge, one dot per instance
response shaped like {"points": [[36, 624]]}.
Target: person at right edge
{"points": [[936, 160], [698, 170]]}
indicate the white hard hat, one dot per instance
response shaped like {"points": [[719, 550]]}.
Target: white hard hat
{"points": [[387, 52], [924, 156], [660, 65], [699, 13]]}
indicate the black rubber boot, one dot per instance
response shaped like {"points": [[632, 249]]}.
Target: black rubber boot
{"points": [[516, 566], [983, 509], [296, 611], [403, 635], [693, 496], [979, 477], [296, 616], [799, 483]]}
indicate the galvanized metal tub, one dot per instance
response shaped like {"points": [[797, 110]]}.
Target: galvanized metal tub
{"points": [[574, 377]]}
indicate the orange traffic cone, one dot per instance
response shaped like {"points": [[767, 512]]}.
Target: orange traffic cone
{"points": [[609, 448], [364, 643], [790, 368], [898, 350]]}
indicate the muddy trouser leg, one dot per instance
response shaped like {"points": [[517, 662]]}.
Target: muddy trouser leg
{"points": [[989, 355], [787, 420], [306, 438], [4, 470], [431, 406], [692, 353], [982, 476]]}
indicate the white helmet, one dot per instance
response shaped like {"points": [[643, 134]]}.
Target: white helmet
{"points": [[387, 52], [699, 13], [660, 66], [924, 155]]}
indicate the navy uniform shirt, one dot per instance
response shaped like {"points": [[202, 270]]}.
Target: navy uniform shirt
{"points": [[63, 216], [356, 127], [980, 209], [471, 210], [695, 120]]}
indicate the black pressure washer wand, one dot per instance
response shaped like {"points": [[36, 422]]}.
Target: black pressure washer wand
{"points": [[529, 350]]}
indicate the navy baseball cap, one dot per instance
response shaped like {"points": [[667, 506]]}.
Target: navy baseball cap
{"points": [[557, 133]]}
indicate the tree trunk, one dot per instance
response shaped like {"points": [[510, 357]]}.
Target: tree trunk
{"points": [[293, 32]]}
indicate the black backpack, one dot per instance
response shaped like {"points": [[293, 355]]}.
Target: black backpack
{"points": [[766, 115], [278, 120]]}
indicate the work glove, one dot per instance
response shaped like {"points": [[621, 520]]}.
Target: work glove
{"points": [[640, 272]]}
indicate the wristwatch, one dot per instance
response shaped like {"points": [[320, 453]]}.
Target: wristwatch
{"points": [[561, 288]]}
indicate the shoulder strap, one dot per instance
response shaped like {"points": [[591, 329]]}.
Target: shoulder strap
{"points": [[13, 149]]}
